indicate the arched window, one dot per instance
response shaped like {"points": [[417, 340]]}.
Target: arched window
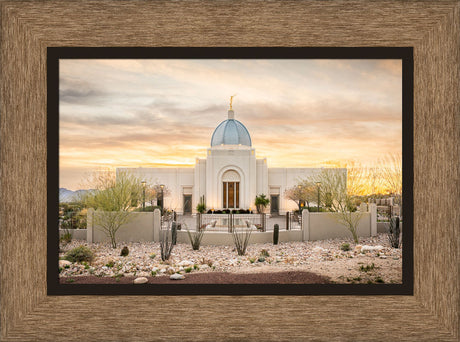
{"points": [[231, 189]]}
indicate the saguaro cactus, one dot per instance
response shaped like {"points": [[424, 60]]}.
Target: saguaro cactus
{"points": [[174, 233], [276, 233]]}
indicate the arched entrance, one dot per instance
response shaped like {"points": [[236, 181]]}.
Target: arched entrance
{"points": [[231, 189]]}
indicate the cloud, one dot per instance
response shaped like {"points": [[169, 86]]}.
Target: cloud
{"points": [[163, 112]]}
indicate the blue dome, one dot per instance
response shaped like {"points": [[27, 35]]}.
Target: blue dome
{"points": [[231, 132]]}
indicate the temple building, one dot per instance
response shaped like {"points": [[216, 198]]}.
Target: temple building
{"points": [[230, 177]]}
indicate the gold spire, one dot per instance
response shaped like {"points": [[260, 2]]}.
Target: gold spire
{"points": [[231, 100]]}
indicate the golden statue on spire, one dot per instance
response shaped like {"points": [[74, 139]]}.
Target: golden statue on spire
{"points": [[231, 100]]}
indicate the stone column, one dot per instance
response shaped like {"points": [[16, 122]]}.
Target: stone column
{"points": [[305, 225], [89, 225], [373, 218], [156, 225]]}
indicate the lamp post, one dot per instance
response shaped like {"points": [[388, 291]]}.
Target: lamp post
{"points": [[318, 184], [162, 198], [300, 195], [143, 193]]}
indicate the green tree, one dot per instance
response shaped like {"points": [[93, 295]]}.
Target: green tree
{"points": [[342, 189], [113, 199], [261, 203]]}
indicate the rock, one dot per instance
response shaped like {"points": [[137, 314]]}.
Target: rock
{"points": [[185, 263], [141, 280], [176, 276], [358, 248], [371, 248], [163, 270], [319, 249], [63, 263], [383, 257]]}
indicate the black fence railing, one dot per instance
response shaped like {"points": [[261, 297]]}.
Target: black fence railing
{"points": [[228, 222]]}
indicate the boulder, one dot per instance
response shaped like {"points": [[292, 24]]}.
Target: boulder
{"points": [[176, 276], [185, 263], [63, 263], [141, 280], [366, 248]]}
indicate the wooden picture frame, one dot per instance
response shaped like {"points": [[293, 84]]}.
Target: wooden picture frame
{"points": [[431, 28]]}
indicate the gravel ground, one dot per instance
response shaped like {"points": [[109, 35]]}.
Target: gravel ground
{"points": [[289, 277], [372, 261]]}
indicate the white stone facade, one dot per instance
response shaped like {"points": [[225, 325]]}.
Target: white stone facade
{"points": [[229, 177]]}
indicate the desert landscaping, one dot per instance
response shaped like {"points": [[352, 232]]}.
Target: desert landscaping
{"points": [[326, 261]]}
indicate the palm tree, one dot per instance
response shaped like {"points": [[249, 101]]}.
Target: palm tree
{"points": [[261, 203]]}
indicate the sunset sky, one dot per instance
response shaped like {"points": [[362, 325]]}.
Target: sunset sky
{"points": [[162, 113]]}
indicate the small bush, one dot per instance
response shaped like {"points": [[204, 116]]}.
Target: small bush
{"points": [[196, 267], [153, 273], [345, 247], [241, 239], [379, 280], [367, 268], [66, 237], [201, 208], [261, 259], [79, 254], [195, 238], [188, 270], [124, 251], [252, 260], [152, 256], [264, 253], [206, 262], [110, 264]]}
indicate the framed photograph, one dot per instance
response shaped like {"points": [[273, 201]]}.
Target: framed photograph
{"points": [[426, 310], [320, 212]]}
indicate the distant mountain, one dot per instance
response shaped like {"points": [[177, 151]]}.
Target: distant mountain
{"points": [[66, 195]]}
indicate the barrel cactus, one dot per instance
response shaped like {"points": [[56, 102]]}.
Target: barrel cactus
{"points": [[276, 233]]}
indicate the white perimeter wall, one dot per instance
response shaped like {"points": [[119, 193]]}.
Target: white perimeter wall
{"points": [[315, 226], [175, 179]]}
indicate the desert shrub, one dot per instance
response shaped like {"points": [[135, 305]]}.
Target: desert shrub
{"points": [[79, 254], [252, 260], [345, 247], [166, 241], [367, 268], [66, 237], [394, 232], [110, 264], [195, 238], [188, 270], [152, 256], [261, 259], [264, 253], [124, 252], [206, 262], [241, 239], [379, 280]]}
